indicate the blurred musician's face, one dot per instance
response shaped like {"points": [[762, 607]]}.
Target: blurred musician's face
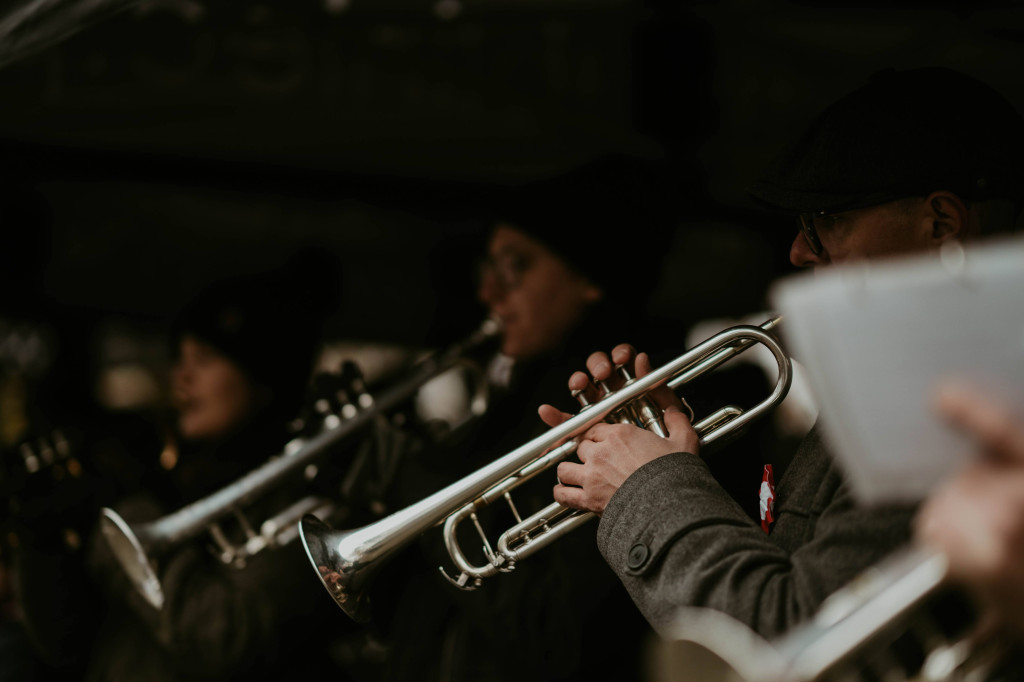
{"points": [[537, 296], [212, 394]]}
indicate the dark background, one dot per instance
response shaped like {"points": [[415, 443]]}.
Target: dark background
{"points": [[180, 141]]}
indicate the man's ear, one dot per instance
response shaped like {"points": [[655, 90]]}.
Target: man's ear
{"points": [[946, 217]]}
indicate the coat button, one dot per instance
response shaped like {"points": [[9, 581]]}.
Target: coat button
{"points": [[638, 554]]}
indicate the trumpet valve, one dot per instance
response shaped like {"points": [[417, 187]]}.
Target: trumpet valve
{"points": [[623, 415], [624, 373], [650, 416]]}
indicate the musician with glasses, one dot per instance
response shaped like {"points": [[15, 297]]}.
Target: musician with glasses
{"points": [[562, 616], [907, 162]]}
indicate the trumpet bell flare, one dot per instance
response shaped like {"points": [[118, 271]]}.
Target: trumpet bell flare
{"points": [[319, 541]]}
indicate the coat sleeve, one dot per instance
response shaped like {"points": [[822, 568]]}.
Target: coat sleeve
{"points": [[217, 620], [675, 538]]}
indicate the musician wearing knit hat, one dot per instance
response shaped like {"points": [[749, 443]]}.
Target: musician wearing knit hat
{"points": [[547, 264], [266, 328], [545, 275]]}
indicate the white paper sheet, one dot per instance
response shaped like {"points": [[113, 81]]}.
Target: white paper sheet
{"points": [[876, 337]]}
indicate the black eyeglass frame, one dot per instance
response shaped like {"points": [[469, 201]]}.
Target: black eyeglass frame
{"points": [[508, 269], [807, 218], [811, 234]]}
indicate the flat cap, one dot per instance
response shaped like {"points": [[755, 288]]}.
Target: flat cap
{"points": [[905, 133]]}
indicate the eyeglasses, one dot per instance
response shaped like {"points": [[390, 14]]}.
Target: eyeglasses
{"points": [[507, 268], [814, 224], [810, 230]]}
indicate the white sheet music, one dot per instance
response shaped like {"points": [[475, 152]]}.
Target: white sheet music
{"points": [[876, 337]]}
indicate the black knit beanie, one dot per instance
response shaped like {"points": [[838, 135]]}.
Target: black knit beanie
{"points": [[269, 323], [584, 216]]}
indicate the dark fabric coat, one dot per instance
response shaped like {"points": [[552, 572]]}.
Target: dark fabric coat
{"points": [[675, 539], [561, 614], [269, 620]]}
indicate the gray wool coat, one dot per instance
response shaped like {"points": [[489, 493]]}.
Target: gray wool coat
{"points": [[676, 538]]}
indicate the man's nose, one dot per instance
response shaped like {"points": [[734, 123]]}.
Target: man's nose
{"points": [[181, 375], [490, 289], [801, 255]]}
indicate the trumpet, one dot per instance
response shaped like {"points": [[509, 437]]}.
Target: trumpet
{"points": [[899, 620], [345, 560], [138, 547]]}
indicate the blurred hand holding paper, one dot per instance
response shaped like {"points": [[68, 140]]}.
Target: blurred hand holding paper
{"points": [[878, 337]]}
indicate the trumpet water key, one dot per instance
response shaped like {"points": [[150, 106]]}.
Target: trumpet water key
{"points": [[345, 560]]}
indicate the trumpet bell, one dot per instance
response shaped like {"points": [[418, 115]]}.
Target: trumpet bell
{"points": [[131, 553], [134, 547], [340, 576]]}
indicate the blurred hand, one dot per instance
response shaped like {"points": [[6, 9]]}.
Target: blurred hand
{"points": [[610, 453], [977, 518]]}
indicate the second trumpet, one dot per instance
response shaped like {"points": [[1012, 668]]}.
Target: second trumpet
{"points": [[346, 559]]}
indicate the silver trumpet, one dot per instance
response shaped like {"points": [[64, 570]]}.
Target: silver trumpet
{"points": [[138, 547], [900, 620], [346, 559]]}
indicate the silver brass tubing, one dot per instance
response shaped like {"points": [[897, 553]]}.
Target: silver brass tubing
{"points": [[566, 518], [856, 635], [344, 560], [137, 546]]}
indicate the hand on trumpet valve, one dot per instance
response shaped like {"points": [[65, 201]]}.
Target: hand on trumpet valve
{"points": [[609, 453]]}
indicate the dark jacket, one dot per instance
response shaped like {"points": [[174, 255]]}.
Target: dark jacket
{"points": [[268, 620], [675, 539], [561, 614]]}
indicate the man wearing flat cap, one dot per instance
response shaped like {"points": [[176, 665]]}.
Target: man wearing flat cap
{"points": [[908, 162], [889, 170]]}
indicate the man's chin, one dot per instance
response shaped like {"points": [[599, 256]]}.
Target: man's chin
{"points": [[193, 430]]}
